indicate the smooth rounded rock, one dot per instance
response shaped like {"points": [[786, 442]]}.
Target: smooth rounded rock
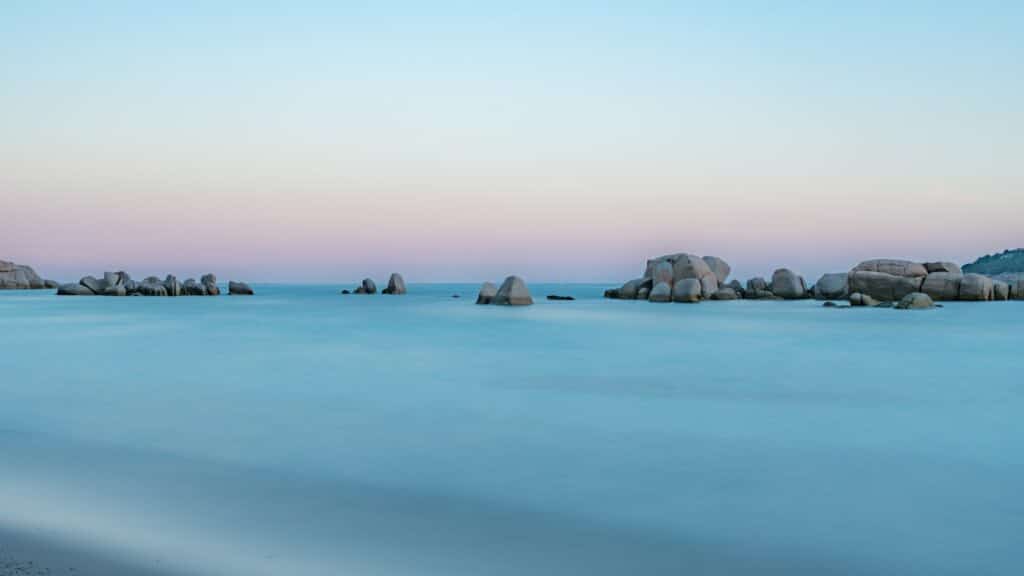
{"points": [[915, 301], [513, 292], [686, 290], [487, 293], [239, 289], [662, 292], [788, 284]]}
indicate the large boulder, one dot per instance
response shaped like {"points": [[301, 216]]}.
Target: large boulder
{"points": [[172, 285], [950, 267], [976, 287], [1016, 283], [708, 286], [193, 288], [117, 290], [239, 289], [367, 286], [152, 289], [19, 277], [662, 292], [884, 286], [95, 285], [209, 282], [834, 286], [631, 290], [683, 266], [1000, 290], [662, 273], [893, 267], [942, 285], [788, 284], [396, 285], [686, 290], [915, 301], [725, 293], [757, 284], [513, 292], [719, 267], [487, 293], [74, 290]]}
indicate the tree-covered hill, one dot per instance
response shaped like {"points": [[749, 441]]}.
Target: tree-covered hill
{"points": [[1006, 262]]}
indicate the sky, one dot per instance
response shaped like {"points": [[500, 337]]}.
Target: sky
{"points": [[464, 141]]}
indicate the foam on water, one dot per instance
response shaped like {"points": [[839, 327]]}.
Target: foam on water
{"points": [[307, 431]]}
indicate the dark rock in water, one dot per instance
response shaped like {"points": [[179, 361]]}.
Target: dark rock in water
{"points": [[886, 304], [396, 285], [209, 282], [239, 289], [74, 290], [829, 304], [858, 299], [612, 293], [487, 293], [557, 297], [51, 284], [346, 291], [366, 287], [456, 296], [172, 285], [193, 288], [97, 286], [756, 285], [725, 293]]}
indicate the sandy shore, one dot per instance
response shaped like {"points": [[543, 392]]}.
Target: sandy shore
{"points": [[25, 553]]}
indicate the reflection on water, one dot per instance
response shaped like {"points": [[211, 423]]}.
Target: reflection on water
{"points": [[306, 431]]}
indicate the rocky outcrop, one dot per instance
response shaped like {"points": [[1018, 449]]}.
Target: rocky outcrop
{"points": [[396, 285], [788, 284], [487, 293], [661, 292], [942, 286], [893, 267], [725, 293], [835, 286], [239, 289], [950, 267], [122, 284], [367, 286], [915, 301], [883, 286], [719, 267], [975, 287], [686, 290], [513, 292], [1000, 290], [21, 277]]}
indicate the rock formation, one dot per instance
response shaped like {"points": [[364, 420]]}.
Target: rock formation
{"points": [[915, 301], [787, 284], [487, 293], [396, 285], [239, 289], [21, 277], [835, 286], [513, 292], [122, 284], [366, 287]]}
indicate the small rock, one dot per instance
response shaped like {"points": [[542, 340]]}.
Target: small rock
{"points": [[239, 289], [557, 297], [916, 301]]}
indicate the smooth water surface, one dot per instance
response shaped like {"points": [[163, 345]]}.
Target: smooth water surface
{"points": [[304, 432]]}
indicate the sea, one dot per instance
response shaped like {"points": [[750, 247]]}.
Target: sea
{"points": [[304, 432]]}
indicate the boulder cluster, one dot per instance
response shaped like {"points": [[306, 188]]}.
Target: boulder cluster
{"points": [[513, 292], [122, 284], [396, 286], [687, 278], [889, 280], [21, 277]]}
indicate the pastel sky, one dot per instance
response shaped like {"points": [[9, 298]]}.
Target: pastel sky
{"points": [[463, 141]]}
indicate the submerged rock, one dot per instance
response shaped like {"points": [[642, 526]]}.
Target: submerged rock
{"points": [[915, 301], [858, 299], [560, 298]]}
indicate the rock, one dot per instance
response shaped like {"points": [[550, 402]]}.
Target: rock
{"points": [[209, 282], [74, 290], [239, 289], [396, 285], [612, 293], [367, 286], [719, 267], [456, 296], [631, 290], [950, 267], [346, 291], [708, 286], [643, 293], [19, 277], [976, 287], [760, 295], [737, 288], [893, 267], [858, 299], [883, 286], [683, 266], [172, 286], [193, 288], [1000, 290], [152, 289], [662, 292], [513, 292], [725, 293], [118, 290], [96, 286], [1016, 282], [560, 298], [942, 285], [487, 293], [915, 301], [757, 284], [835, 286], [50, 284], [788, 284], [830, 304], [686, 290], [887, 304]]}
